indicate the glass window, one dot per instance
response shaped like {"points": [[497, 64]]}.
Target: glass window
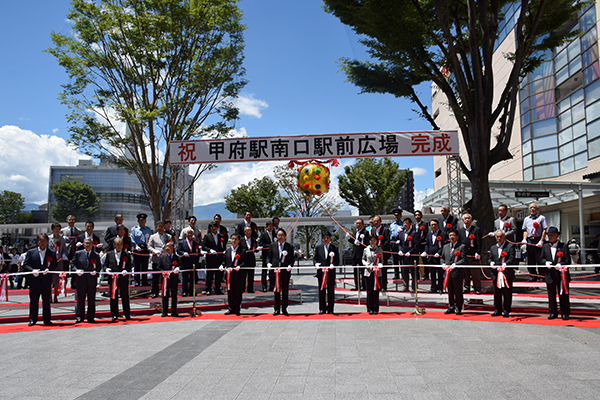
{"points": [[565, 136], [591, 73], [543, 143], [526, 133], [546, 156], [524, 106], [560, 60], [566, 150], [594, 148], [542, 112], [580, 144], [567, 166], [527, 147], [527, 161], [588, 39], [577, 96], [543, 98], [593, 129], [579, 129], [524, 91], [592, 111], [578, 112], [544, 127], [564, 120], [543, 70], [581, 160], [527, 174], [562, 105], [588, 19], [590, 56], [525, 118], [574, 49], [562, 75], [545, 171], [592, 92], [541, 85], [575, 65]]}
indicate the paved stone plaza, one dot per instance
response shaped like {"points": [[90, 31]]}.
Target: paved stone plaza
{"points": [[347, 357]]}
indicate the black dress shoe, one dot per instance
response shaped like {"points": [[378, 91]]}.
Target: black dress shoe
{"points": [[496, 313], [154, 295], [174, 315], [91, 321], [127, 318], [440, 291], [531, 279], [51, 324], [370, 312], [275, 312], [250, 291], [78, 320], [321, 312], [565, 317], [228, 312], [284, 312], [449, 311], [432, 291], [405, 289], [114, 319], [458, 312], [31, 323], [219, 293], [505, 314], [264, 290], [552, 316], [164, 314], [238, 313], [375, 312]]}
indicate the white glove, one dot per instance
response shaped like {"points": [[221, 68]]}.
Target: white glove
{"points": [[108, 270], [176, 270], [318, 265], [491, 234], [237, 268], [504, 265], [124, 272], [453, 265], [79, 272], [367, 272], [524, 241], [45, 271], [380, 265], [348, 235], [492, 263], [213, 251], [540, 244], [289, 269], [444, 265], [400, 253], [477, 256], [548, 264], [221, 268], [397, 242], [186, 254], [424, 254], [269, 265], [436, 255], [64, 257], [331, 266], [407, 254], [36, 272], [558, 265], [93, 273]]}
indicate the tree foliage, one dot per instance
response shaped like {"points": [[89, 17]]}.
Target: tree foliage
{"points": [[261, 197], [372, 185], [10, 204], [74, 198], [143, 73], [451, 44]]}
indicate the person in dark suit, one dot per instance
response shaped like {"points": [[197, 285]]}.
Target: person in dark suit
{"points": [[89, 233], [187, 250], [121, 233], [408, 251], [447, 221], [71, 233], [250, 246], [383, 241], [220, 228], [502, 256], [214, 244], [281, 258], [117, 263], [422, 229], [233, 261], [453, 255], [86, 264], [326, 258], [40, 259], [470, 236], [372, 257], [555, 256], [111, 231], [359, 241], [247, 222], [265, 240], [168, 263], [506, 223], [435, 241]]}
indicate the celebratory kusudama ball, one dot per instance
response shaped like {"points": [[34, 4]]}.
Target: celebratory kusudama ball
{"points": [[313, 178]]}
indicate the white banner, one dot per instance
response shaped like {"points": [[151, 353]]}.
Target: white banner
{"points": [[313, 147]]}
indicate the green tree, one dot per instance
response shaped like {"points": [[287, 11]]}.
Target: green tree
{"points": [[261, 197], [10, 204], [144, 73], [372, 185], [76, 198], [451, 44], [23, 218], [311, 206]]}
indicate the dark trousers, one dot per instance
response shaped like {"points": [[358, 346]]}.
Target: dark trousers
{"points": [[359, 273], [409, 272], [534, 254], [372, 293], [172, 283], [42, 285], [397, 260], [455, 290], [383, 278], [249, 277], [217, 277], [187, 281], [123, 290], [474, 273], [86, 287], [282, 297], [565, 305], [263, 276], [326, 295], [140, 263], [236, 289], [436, 274], [503, 297], [156, 279]]}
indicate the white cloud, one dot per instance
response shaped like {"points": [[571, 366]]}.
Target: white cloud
{"points": [[54, 130], [25, 163], [248, 105], [419, 171]]}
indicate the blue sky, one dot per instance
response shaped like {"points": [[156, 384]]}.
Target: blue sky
{"points": [[295, 87]]}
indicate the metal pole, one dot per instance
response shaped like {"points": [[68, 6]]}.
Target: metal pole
{"points": [[581, 227], [418, 310], [194, 313]]}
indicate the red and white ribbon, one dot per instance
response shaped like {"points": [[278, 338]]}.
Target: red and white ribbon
{"points": [[564, 284], [376, 285], [501, 281], [228, 278], [62, 284], [325, 271], [277, 287], [456, 255], [4, 287], [49, 261], [409, 238], [124, 263], [506, 226], [439, 240], [380, 238], [559, 256], [165, 276], [283, 254], [503, 257], [236, 258], [331, 257], [113, 285], [534, 229], [447, 269], [472, 240]]}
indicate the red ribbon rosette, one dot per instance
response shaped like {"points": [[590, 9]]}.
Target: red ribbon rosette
{"points": [[237, 257], [380, 239], [471, 240], [125, 246], [535, 224], [439, 238], [48, 259], [456, 255], [253, 245], [560, 254], [57, 244], [378, 255], [124, 258], [449, 226], [409, 238], [93, 261], [422, 228], [507, 224], [174, 263], [471, 236], [222, 239], [95, 243], [503, 254]]}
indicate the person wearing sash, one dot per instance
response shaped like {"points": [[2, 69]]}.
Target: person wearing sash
{"points": [[40, 260], [502, 257], [453, 255], [265, 240], [233, 261], [156, 245], [168, 266], [326, 259], [86, 264], [281, 259], [372, 260], [117, 263], [555, 256]]}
